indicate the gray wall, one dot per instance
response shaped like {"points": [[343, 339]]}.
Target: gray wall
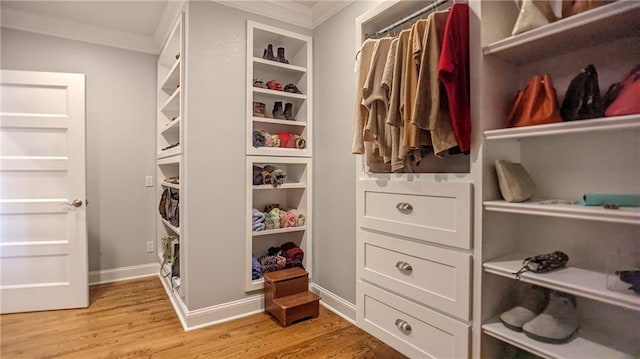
{"points": [[120, 137], [215, 151], [334, 166]]}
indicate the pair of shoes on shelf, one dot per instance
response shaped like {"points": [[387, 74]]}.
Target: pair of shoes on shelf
{"points": [[274, 85], [292, 88], [268, 54], [547, 316], [283, 114], [258, 83]]}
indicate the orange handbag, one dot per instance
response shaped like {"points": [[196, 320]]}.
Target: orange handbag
{"points": [[536, 104], [573, 7]]}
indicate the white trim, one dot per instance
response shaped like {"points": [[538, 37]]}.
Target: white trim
{"points": [[224, 312], [322, 11], [290, 12], [178, 305], [52, 26], [336, 304], [123, 273]]}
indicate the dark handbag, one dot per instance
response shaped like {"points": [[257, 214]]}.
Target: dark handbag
{"points": [[162, 207], [536, 104], [543, 263], [582, 100]]}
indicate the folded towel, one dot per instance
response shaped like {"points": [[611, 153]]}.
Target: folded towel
{"points": [[299, 218], [292, 252], [290, 220], [301, 142], [622, 200], [272, 251], [258, 139], [275, 141], [258, 226], [284, 138], [257, 176], [270, 223], [257, 216], [281, 261], [256, 268], [271, 206], [283, 219], [278, 177], [269, 263]]}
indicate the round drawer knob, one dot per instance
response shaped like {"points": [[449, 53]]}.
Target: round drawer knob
{"points": [[404, 267], [404, 207], [403, 326]]}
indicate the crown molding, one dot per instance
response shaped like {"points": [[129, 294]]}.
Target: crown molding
{"points": [[52, 26], [168, 19], [322, 10], [287, 11]]}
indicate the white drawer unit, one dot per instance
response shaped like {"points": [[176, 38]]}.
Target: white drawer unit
{"points": [[437, 277], [432, 212], [414, 330]]}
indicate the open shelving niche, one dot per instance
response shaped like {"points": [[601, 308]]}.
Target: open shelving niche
{"points": [[169, 126], [295, 193], [298, 51], [565, 161]]}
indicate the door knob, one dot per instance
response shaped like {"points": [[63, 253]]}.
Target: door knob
{"points": [[76, 203]]}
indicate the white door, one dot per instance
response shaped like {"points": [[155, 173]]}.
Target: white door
{"points": [[43, 231]]}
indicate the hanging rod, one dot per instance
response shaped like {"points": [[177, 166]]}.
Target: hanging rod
{"points": [[424, 10]]}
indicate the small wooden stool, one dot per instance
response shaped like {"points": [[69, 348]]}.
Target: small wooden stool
{"points": [[286, 296]]}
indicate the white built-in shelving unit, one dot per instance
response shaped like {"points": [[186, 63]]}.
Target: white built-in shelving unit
{"points": [[170, 131], [565, 160], [296, 192]]}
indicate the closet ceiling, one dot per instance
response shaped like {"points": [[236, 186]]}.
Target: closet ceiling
{"points": [[142, 25]]}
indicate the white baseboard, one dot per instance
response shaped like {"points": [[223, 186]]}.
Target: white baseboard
{"points": [[123, 273], [336, 304]]}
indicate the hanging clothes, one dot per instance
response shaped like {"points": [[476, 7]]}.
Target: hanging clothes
{"points": [[361, 113], [453, 70], [391, 86], [375, 100], [428, 113]]}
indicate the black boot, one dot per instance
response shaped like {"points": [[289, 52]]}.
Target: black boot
{"points": [[288, 111], [277, 111], [268, 53], [281, 56]]}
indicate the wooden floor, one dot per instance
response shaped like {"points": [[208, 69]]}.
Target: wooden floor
{"points": [[135, 319]]}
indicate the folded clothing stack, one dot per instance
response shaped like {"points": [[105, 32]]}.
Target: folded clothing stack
{"points": [[288, 255], [275, 217], [262, 138], [257, 220], [256, 268], [268, 174]]}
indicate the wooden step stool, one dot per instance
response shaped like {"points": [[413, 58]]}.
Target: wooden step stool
{"points": [[286, 296]]}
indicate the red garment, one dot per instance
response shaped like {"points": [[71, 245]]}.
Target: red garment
{"points": [[453, 71]]}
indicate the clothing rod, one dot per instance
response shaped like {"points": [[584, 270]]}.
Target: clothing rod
{"points": [[424, 10]]}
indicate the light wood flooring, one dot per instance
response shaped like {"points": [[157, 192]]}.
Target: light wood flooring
{"points": [[134, 319]]}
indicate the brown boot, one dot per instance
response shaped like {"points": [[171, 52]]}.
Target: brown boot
{"points": [[288, 111], [277, 111], [259, 109], [281, 56], [268, 53]]}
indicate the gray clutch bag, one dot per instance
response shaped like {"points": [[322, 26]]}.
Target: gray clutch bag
{"points": [[515, 183]]}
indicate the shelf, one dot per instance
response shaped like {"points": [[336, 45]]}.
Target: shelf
{"points": [[176, 230], [172, 160], [268, 65], [605, 23], [172, 79], [171, 126], [563, 128], [580, 282], [172, 103], [170, 185], [279, 151], [278, 94], [278, 122], [581, 346], [170, 152], [628, 215], [282, 186], [278, 231]]}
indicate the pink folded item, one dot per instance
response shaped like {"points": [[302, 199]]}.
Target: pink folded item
{"points": [[291, 220], [284, 138], [298, 218]]}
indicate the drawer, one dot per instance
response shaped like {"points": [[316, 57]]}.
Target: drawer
{"points": [[413, 330], [427, 211], [439, 278]]}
